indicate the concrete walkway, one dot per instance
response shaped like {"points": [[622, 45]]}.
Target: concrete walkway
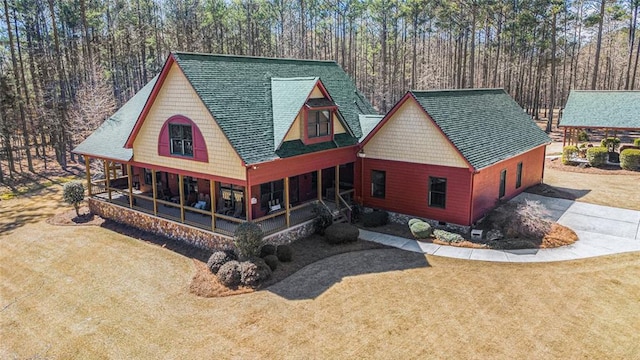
{"points": [[602, 230]]}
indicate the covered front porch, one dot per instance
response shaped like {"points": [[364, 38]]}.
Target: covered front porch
{"points": [[217, 206]]}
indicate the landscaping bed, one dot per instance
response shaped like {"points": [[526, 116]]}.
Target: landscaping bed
{"points": [[557, 164]]}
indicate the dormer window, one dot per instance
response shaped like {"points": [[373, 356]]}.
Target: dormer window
{"points": [[318, 123], [319, 115], [181, 139]]}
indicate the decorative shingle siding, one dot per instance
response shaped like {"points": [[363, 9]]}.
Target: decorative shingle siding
{"points": [[177, 97], [409, 136]]}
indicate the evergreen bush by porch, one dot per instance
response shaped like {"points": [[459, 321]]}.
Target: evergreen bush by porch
{"points": [[248, 239], [267, 249], [284, 253], [253, 272], [324, 218], [272, 261], [630, 159], [340, 233], [217, 259], [597, 156], [73, 194]]}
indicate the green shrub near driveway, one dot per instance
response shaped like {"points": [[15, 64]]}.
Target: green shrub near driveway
{"points": [[421, 230], [413, 221], [597, 156], [630, 159], [447, 236], [569, 152]]}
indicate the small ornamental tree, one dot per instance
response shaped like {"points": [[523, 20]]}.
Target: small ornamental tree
{"points": [[73, 194], [611, 143], [248, 239]]}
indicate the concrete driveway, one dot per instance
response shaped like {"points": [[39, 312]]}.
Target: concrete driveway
{"points": [[602, 230]]}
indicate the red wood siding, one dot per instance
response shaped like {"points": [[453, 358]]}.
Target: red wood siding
{"points": [[486, 183], [407, 187], [297, 165]]}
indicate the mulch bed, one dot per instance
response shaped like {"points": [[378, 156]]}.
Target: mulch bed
{"points": [[70, 218], [557, 164], [305, 252]]}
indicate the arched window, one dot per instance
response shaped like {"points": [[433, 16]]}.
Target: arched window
{"points": [[181, 138]]}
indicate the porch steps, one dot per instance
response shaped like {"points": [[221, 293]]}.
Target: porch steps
{"points": [[339, 218]]}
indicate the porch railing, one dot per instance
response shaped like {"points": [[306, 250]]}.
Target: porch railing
{"points": [[343, 206]]}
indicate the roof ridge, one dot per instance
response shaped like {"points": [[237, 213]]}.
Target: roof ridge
{"points": [[253, 57], [609, 91], [295, 78], [454, 90]]}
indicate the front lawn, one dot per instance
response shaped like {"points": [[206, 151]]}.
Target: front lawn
{"points": [[89, 292]]}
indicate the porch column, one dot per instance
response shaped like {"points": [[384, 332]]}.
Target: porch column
{"points": [[107, 180], [155, 192], [181, 190], [247, 201], [286, 201], [212, 197], [337, 186], [130, 183], [87, 169], [564, 138], [319, 185]]}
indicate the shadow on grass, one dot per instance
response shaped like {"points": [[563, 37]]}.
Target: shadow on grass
{"points": [[176, 246], [34, 209], [316, 278]]}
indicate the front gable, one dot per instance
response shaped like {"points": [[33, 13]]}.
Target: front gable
{"points": [[175, 101], [407, 134]]}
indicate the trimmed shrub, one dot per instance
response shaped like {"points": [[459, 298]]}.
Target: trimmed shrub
{"points": [[627, 146], [217, 259], [375, 218], [272, 261], [569, 152], [284, 253], [248, 239], [253, 272], [630, 159], [447, 236], [597, 156], [324, 218], [229, 274], [421, 230], [583, 136], [610, 143], [73, 194], [413, 221], [340, 233], [636, 142], [266, 250]]}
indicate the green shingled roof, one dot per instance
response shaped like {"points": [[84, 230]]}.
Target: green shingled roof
{"points": [[602, 109], [238, 92], [109, 139], [368, 123], [486, 125], [297, 147], [287, 97]]}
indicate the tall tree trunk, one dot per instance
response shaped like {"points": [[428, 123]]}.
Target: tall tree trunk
{"points": [[552, 97], [61, 126], [596, 61]]}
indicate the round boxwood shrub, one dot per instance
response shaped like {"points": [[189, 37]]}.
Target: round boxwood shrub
{"points": [[597, 156], [340, 233], [447, 236], [569, 152], [73, 194], [267, 249], [253, 272], [413, 221], [636, 142], [630, 159], [217, 259], [421, 230], [284, 253], [375, 218], [248, 239], [272, 261], [229, 274]]}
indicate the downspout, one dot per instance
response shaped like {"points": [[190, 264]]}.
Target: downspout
{"points": [[473, 175]]}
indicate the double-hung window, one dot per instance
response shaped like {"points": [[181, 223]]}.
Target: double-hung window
{"points": [[181, 139], [318, 123], [437, 192]]}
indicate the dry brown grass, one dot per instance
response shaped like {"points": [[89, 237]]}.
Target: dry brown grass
{"points": [[88, 292]]}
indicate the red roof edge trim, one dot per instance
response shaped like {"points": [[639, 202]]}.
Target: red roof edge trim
{"points": [[147, 106]]}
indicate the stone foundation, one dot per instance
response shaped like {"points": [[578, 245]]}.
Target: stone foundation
{"points": [[183, 232], [404, 220]]}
